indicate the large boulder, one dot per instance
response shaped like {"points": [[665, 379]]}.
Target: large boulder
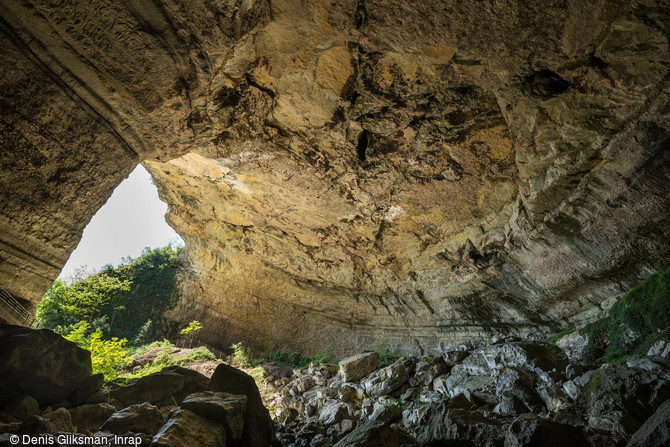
{"points": [[138, 418], [655, 432], [441, 424], [620, 399], [389, 379], [152, 388], [185, 428], [375, 434], [519, 383], [44, 365], [358, 366], [455, 384], [59, 420], [22, 407], [194, 382], [333, 412], [258, 427], [225, 408], [530, 431], [546, 360], [90, 417], [427, 371]]}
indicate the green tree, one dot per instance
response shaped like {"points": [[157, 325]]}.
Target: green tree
{"points": [[193, 327], [84, 300], [118, 301]]}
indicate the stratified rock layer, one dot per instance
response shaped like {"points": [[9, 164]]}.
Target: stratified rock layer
{"points": [[419, 173]]}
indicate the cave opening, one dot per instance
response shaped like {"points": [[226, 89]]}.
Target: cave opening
{"points": [[131, 220]]}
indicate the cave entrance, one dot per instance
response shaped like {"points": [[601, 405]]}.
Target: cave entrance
{"points": [[132, 219]]}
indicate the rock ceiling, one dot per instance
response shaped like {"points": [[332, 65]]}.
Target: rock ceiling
{"points": [[349, 172]]}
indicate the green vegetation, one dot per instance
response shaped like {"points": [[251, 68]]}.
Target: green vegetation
{"points": [[242, 356], [635, 322], [107, 356], [110, 357], [193, 327], [387, 353], [295, 360], [122, 302], [166, 359], [101, 312]]}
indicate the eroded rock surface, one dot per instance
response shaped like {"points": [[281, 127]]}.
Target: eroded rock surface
{"points": [[420, 172]]}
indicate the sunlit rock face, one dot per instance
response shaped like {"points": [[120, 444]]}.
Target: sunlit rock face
{"points": [[351, 172], [88, 90]]}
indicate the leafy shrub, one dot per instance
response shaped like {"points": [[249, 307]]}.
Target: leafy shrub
{"points": [[242, 356], [107, 356]]}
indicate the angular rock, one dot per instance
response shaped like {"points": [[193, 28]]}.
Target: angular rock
{"points": [[571, 389], [658, 366], [59, 420], [544, 359], [137, 418], [553, 396], [152, 388], [442, 424], [22, 407], [258, 428], [456, 384], [90, 417], [573, 345], [461, 401], [387, 413], [225, 408], [660, 348], [185, 428], [509, 405], [42, 364], [426, 372], [333, 412], [568, 418], [194, 382], [55, 421], [655, 432], [345, 426], [348, 393], [620, 398], [375, 434], [530, 431], [413, 416], [387, 380], [358, 366], [99, 397], [286, 416], [521, 384], [453, 358], [88, 387]]}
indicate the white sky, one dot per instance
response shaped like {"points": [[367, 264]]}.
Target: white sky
{"points": [[133, 218]]}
